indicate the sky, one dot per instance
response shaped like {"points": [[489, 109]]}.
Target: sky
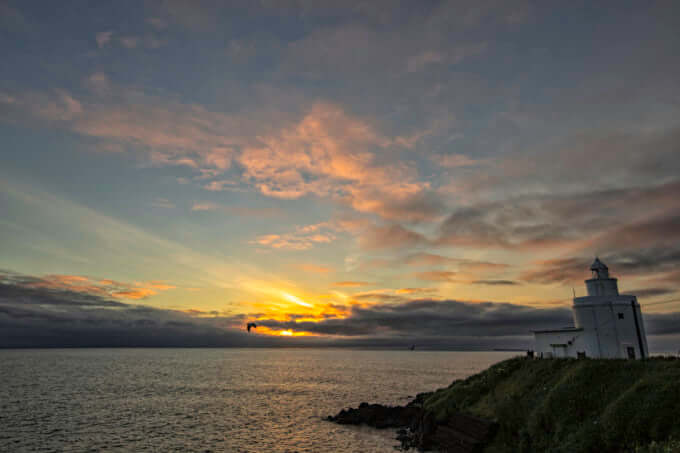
{"points": [[370, 173]]}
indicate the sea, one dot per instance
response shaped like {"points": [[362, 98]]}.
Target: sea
{"points": [[211, 400]]}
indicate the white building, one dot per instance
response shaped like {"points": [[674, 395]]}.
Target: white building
{"points": [[606, 324]]}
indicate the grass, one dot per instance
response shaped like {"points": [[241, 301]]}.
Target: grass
{"points": [[566, 405]]}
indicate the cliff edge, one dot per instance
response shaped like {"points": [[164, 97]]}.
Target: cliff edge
{"points": [[558, 405]]}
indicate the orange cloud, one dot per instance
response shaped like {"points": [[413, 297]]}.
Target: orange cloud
{"points": [[415, 290], [303, 238], [454, 160], [436, 276], [101, 287], [326, 152], [391, 236], [138, 293], [314, 268], [352, 284]]}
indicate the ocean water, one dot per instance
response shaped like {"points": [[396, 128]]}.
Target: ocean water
{"points": [[231, 400]]}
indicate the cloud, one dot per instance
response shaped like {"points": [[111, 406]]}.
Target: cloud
{"points": [[157, 23], [432, 259], [452, 56], [163, 203], [428, 259], [303, 238], [635, 262], [195, 16], [352, 284], [35, 314], [462, 276], [616, 158], [98, 83], [235, 210], [454, 160], [418, 62], [436, 276], [325, 153], [415, 290], [103, 38], [78, 284], [129, 42], [166, 131], [495, 282], [205, 206], [452, 319], [391, 236], [48, 316], [598, 220], [224, 184], [11, 19], [652, 292], [314, 268], [328, 153], [426, 317]]}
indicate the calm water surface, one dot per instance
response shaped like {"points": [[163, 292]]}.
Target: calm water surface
{"points": [[233, 400]]}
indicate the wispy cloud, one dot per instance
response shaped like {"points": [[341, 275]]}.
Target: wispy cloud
{"points": [[436, 276], [103, 38], [86, 285], [303, 238], [129, 42], [163, 203], [327, 153], [351, 284], [314, 268]]}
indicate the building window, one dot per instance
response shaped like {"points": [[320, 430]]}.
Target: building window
{"points": [[620, 315]]}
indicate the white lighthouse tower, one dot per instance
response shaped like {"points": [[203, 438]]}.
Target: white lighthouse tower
{"points": [[606, 324]]}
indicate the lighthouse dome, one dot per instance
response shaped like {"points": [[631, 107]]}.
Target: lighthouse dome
{"points": [[601, 284], [599, 269]]}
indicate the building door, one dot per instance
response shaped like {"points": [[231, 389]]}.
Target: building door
{"points": [[631, 352]]}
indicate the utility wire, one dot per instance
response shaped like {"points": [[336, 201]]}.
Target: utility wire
{"points": [[643, 305], [662, 302]]}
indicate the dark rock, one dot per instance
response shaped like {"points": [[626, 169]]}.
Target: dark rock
{"points": [[378, 416], [419, 400], [419, 428]]}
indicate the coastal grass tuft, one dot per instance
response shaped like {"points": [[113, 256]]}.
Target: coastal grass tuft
{"points": [[568, 405]]}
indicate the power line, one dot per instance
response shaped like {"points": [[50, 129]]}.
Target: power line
{"points": [[662, 302], [643, 305]]}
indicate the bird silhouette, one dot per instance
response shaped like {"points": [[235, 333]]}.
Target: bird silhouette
{"points": [[251, 325]]}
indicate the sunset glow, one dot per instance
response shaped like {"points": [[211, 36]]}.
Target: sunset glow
{"points": [[368, 173], [295, 300]]}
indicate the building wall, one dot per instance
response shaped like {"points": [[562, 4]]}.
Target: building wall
{"points": [[643, 332], [575, 342], [610, 321], [602, 287]]}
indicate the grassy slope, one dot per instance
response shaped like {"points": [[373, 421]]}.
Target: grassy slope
{"points": [[572, 405]]}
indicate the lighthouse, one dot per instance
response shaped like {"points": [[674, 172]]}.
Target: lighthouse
{"points": [[606, 324]]}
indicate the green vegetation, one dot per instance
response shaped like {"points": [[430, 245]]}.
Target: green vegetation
{"points": [[567, 405]]}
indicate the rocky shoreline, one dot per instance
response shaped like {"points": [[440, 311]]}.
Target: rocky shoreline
{"points": [[418, 428], [536, 406]]}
